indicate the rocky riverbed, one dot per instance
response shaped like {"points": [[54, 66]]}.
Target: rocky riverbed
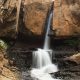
{"points": [[22, 60]]}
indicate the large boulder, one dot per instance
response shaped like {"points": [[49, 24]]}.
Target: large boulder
{"points": [[74, 58]]}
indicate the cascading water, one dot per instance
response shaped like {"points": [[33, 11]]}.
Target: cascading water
{"points": [[47, 38], [41, 59]]}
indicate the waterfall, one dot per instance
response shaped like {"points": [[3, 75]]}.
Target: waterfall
{"points": [[42, 64], [39, 58], [47, 38]]}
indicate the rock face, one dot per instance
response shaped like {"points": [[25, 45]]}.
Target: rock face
{"points": [[65, 21], [5, 70], [8, 18], [66, 17], [35, 15], [74, 58]]}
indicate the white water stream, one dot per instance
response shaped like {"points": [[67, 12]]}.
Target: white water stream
{"points": [[42, 59], [43, 66]]}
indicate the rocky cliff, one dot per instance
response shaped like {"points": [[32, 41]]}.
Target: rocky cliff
{"points": [[67, 17], [65, 20], [8, 18], [33, 16]]}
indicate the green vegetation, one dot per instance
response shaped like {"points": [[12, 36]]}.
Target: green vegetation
{"points": [[72, 42], [3, 44]]}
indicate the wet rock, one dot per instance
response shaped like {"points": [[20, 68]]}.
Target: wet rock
{"points": [[1, 56], [12, 63]]}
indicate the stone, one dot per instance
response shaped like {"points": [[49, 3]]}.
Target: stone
{"points": [[35, 15], [5, 72], [8, 18], [74, 58], [66, 18]]}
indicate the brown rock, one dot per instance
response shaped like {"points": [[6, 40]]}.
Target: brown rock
{"points": [[65, 20], [1, 56], [74, 58], [8, 18], [1, 59], [35, 15], [12, 62], [66, 17]]}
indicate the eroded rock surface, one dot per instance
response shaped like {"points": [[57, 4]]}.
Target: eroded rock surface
{"points": [[74, 58], [35, 15], [5, 71], [67, 17], [8, 18], [65, 20]]}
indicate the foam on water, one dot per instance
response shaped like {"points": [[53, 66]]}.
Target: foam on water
{"points": [[41, 72], [41, 75], [41, 58]]}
